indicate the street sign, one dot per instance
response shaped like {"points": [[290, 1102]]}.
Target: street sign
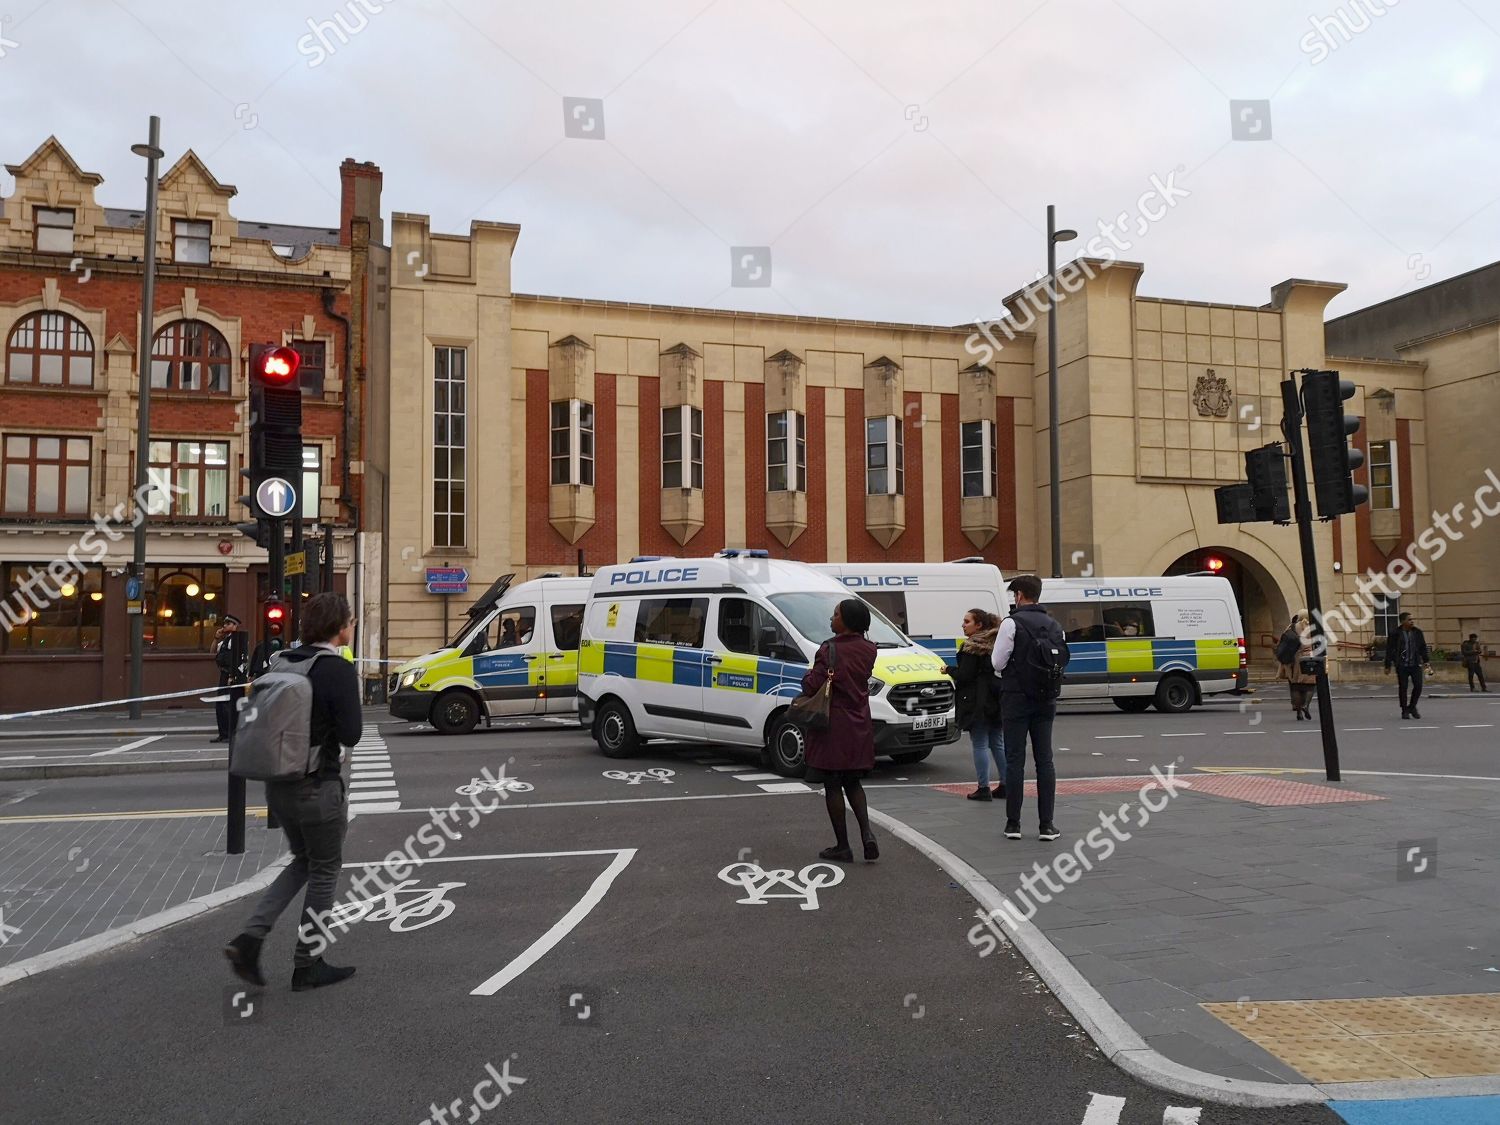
{"points": [[275, 497], [134, 586], [295, 563], [447, 580]]}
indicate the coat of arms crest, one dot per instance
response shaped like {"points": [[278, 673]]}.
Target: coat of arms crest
{"points": [[1211, 395]]}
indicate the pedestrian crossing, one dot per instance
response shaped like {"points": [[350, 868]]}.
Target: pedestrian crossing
{"points": [[372, 781], [770, 782]]}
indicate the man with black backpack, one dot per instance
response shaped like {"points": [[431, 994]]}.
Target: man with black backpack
{"points": [[1030, 655], [304, 782]]}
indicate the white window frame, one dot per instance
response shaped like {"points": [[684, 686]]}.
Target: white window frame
{"points": [[690, 435], [449, 446], [793, 463], [185, 232], [989, 477], [1384, 608], [71, 226], [581, 448], [894, 443], [1395, 504], [312, 494]]}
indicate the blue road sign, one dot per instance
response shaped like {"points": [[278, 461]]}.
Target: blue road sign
{"points": [[447, 580], [275, 497]]}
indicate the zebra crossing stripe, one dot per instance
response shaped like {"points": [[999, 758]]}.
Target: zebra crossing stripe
{"points": [[372, 781]]}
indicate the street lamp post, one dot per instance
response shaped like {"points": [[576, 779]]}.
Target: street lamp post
{"points": [[152, 151], [1054, 236]]}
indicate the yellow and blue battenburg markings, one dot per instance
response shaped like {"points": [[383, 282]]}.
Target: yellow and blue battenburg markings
{"points": [[1128, 656], [689, 667]]}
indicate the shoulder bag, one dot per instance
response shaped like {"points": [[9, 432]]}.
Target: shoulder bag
{"points": [[811, 711]]}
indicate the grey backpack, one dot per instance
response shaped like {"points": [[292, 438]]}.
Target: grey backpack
{"points": [[273, 737]]}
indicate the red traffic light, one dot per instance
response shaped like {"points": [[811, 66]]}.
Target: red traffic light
{"points": [[278, 366], [275, 613], [1213, 563]]}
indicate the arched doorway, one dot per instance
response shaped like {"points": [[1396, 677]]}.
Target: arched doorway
{"points": [[1263, 606]]}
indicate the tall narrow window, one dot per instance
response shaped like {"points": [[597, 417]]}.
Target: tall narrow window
{"points": [[885, 456], [190, 241], [786, 452], [1383, 490], [45, 476], [978, 458], [572, 442], [314, 357], [189, 479], [1387, 614], [312, 481], [449, 471], [54, 231], [682, 447]]}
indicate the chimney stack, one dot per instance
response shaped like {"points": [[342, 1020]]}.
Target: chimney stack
{"points": [[359, 197]]}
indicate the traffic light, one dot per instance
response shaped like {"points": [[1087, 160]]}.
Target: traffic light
{"points": [[1235, 503], [275, 428], [1265, 468], [275, 614], [1214, 564], [1328, 432]]}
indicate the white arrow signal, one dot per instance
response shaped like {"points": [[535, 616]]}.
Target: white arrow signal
{"points": [[276, 497]]}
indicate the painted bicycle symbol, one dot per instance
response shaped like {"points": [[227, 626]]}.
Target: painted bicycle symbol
{"points": [[495, 785], [757, 882], [405, 906], [635, 777]]}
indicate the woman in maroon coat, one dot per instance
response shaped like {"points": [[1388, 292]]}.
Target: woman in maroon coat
{"points": [[839, 756]]}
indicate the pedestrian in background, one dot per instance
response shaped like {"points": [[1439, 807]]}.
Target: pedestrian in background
{"points": [[1028, 704], [1406, 651], [1303, 671], [839, 756], [313, 811], [978, 702], [260, 659], [1472, 652], [230, 658]]}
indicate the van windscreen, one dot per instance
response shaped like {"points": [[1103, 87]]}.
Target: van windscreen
{"points": [[810, 614]]}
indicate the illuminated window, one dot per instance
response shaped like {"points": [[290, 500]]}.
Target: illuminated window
{"points": [[39, 616]]}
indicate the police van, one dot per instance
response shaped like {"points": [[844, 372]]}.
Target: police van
{"points": [[1133, 641], [516, 656], [713, 650]]}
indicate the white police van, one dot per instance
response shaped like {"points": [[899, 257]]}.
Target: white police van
{"points": [[713, 650], [1133, 641]]}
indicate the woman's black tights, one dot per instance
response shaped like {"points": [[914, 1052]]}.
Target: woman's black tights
{"points": [[834, 793]]}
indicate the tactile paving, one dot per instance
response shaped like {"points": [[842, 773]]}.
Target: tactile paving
{"points": [[1273, 791], [1069, 788], [1375, 1039]]}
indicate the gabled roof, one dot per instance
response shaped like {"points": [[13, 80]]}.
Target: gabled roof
{"points": [[190, 160], [53, 146]]}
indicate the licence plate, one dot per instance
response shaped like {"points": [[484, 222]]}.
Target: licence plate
{"points": [[930, 722]]}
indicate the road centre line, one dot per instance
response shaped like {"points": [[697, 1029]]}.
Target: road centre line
{"points": [[1234, 732], [1471, 726], [1119, 736], [1351, 730], [1188, 734], [136, 745]]}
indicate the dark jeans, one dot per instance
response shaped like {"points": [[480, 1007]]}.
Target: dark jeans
{"points": [[1413, 677], [1476, 670], [314, 817], [1022, 719], [225, 714]]}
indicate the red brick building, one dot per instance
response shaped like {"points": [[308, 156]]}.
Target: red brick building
{"points": [[70, 292]]}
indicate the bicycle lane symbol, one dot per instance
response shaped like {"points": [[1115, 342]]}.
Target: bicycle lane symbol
{"points": [[406, 906]]}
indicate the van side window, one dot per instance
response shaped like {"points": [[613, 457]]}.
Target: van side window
{"points": [[516, 626], [567, 626], [1129, 619], [891, 603], [1079, 622], [672, 621], [747, 628]]}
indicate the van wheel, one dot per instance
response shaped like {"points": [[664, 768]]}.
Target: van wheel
{"points": [[910, 759], [787, 748], [455, 712], [614, 732], [1132, 704], [1174, 695]]}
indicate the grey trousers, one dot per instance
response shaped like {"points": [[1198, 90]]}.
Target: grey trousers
{"points": [[314, 817]]}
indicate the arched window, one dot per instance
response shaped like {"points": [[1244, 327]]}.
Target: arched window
{"points": [[50, 349], [189, 355]]}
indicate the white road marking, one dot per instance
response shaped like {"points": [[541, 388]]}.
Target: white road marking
{"points": [[756, 776], [136, 745], [378, 795], [1188, 734], [1471, 726], [363, 775], [19, 758], [1421, 728], [1104, 1109], [1119, 736], [1304, 730], [1350, 730], [787, 787], [1229, 732], [727, 769], [369, 783], [1177, 1115]]}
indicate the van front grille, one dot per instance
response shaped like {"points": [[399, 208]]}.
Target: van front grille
{"points": [[923, 699]]}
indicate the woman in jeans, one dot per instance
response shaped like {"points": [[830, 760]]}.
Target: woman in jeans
{"points": [[313, 811], [838, 757], [978, 703]]}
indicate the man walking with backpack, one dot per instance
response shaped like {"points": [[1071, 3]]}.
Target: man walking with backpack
{"points": [[1030, 656], [307, 795]]}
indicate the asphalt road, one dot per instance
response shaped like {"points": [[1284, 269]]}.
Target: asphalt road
{"points": [[596, 945]]}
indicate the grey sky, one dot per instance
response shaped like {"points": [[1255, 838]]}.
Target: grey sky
{"points": [[898, 158]]}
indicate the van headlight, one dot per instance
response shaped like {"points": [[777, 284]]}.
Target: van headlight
{"points": [[876, 685], [412, 677]]}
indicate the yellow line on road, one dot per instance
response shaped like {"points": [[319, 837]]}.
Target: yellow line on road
{"points": [[150, 814]]}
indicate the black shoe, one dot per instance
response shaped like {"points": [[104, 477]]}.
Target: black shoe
{"points": [[1012, 829], [318, 974], [1406, 714], [1415, 714], [244, 958], [981, 793], [221, 738], [1048, 831], [872, 849], [998, 792], [843, 855]]}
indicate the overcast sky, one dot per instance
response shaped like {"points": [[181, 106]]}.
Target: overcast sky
{"points": [[897, 158]]}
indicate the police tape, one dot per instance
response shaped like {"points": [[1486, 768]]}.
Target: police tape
{"points": [[113, 703]]}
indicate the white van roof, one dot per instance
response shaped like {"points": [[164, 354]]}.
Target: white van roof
{"points": [[1142, 587], [551, 587], [710, 575]]}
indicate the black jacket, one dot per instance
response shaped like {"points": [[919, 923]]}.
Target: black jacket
{"points": [[1022, 675], [974, 679], [229, 657], [1395, 643], [336, 716]]}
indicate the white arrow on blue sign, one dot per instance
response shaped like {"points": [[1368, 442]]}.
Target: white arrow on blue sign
{"points": [[275, 497]]}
